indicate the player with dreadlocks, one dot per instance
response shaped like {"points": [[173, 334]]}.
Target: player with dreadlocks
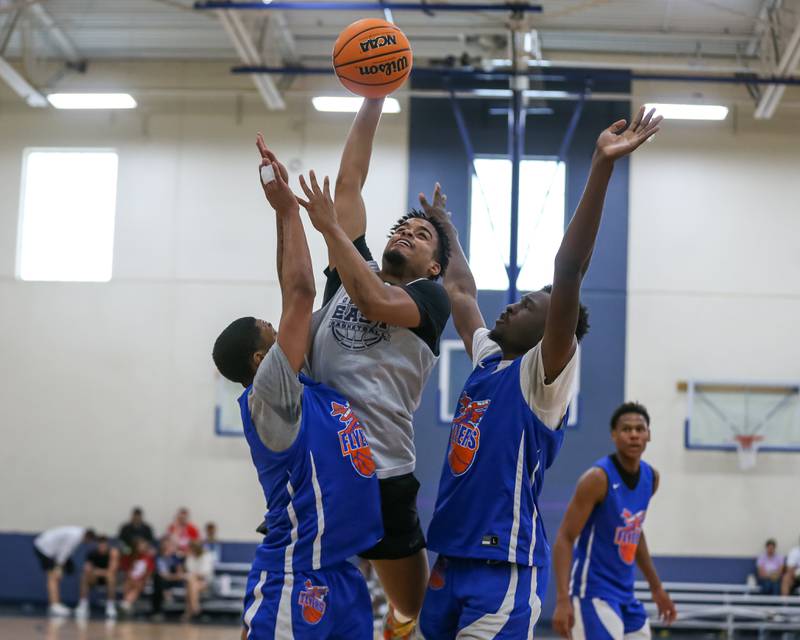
{"points": [[376, 339]]}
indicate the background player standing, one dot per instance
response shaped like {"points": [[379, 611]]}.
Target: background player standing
{"points": [[492, 570], [596, 598]]}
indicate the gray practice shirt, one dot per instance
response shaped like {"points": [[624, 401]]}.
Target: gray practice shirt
{"points": [[275, 401], [381, 369]]}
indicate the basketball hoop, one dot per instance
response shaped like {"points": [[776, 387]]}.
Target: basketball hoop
{"points": [[747, 448]]}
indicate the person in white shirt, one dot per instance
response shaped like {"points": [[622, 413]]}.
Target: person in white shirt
{"points": [[791, 574], [55, 548], [199, 574]]}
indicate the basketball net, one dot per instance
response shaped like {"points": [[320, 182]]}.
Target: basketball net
{"points": [[747, 448]]}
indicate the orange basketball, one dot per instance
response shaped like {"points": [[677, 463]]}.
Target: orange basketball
{"points": [[460, 459], [372, 58]]}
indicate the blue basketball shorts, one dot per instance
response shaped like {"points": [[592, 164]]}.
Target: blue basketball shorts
{"points": [[474, 599], [599, 619], [329, 604]]}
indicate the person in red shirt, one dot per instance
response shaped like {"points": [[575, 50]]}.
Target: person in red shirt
{"points": [[141, 568], [182, 532]]}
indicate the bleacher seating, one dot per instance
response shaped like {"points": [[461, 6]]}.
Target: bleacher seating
{"points": [[725, 607]]}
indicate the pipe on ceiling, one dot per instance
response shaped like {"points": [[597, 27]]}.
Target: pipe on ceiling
{"points": [[514, 7]]}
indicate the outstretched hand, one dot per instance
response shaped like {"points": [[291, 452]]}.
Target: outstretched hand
{"points": [[438, 209], [319, 205], [618, 140], [278, 193], [666, 608]]}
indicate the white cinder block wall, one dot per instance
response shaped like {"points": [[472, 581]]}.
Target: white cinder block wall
{"points": [[714, 292], [108, 389]]}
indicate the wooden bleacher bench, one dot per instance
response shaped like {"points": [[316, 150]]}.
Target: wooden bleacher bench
{"points": [[725, 607]]}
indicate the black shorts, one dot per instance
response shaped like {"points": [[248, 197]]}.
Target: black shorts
{"points": [[48, 564], [403, 535]]}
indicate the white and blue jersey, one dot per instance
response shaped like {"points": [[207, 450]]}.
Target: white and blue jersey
{"points": [[493, 550], [323, 506], [494, 471], [604, 564]]}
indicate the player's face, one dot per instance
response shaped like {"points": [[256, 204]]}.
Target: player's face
{"points": [[102, 546], [631, 435], [268, 333], [413, 246], [521, 326]]}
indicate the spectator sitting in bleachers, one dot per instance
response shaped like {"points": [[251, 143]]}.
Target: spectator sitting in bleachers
{"points": [[199, 574], [791, 574], [169, 573], [135, 528], [182, 531], [100, 569], [770, 569], [54, 548], [141, 568], [211, 544]]}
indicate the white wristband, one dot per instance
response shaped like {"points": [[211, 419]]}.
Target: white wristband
{"points": [[267, 174]]}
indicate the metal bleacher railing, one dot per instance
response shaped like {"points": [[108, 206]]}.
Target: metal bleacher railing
{"points": [[725, 607]]}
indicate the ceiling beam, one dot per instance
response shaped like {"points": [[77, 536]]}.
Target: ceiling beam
{"points": [[249, 54], [56, 34], [790, 58], [20, 85]]}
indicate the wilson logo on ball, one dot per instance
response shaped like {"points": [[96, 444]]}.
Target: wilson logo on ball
{"points": [[465, 434], [370, 44], [386, 68]]}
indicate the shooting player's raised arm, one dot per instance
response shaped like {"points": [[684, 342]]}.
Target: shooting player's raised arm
{"points": [[353, 170]]}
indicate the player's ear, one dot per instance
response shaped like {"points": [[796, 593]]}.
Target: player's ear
{"points": [[434, 270]]}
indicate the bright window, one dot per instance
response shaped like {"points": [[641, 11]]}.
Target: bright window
{"points": [[67, 211], [541, 221]]}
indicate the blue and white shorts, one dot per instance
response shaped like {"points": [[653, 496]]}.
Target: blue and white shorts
{"points": [[598, 619], [329, 604], [474, 599]]}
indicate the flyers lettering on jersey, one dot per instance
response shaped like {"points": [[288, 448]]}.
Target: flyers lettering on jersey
{"points": [[627, 536], [312, 602], [465, 435], [353, 440]]}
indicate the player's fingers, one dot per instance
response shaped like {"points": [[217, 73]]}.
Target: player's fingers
{"points": [[326, 188], [647, 117], [276, 169], [618, 127], [654, 123], [638, 118], [309, 193], [314, 183], [424, 201], [303, 203], [262, 147]]}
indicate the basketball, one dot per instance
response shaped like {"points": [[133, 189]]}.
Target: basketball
{"points": [[460, 458], [372, 58]]}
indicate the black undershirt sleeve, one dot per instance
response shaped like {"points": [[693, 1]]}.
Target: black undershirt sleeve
{"points": [[434, 310], [333, 281]]}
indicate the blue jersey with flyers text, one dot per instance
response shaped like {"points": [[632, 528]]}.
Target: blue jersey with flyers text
{"points": [[604, 565], [487, 507], [322, 494]]}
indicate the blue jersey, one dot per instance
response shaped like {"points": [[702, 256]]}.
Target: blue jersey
{"points": [[605, 555], [322, 494], [493, 474]]}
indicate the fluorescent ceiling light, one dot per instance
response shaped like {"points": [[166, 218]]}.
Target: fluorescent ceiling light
{"points": [[689, 111], [341, 104], [92, 100]]}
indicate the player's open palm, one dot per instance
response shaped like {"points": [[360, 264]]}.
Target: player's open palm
{"points": [[619, 140], [563, 618], [319, 205], [666, 608]]}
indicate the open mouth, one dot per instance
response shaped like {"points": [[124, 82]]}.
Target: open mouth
{"points": [[402, 243]]}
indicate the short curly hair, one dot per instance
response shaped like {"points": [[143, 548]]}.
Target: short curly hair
{"points": [[629, 407], [443, 253], [583, 325]]}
